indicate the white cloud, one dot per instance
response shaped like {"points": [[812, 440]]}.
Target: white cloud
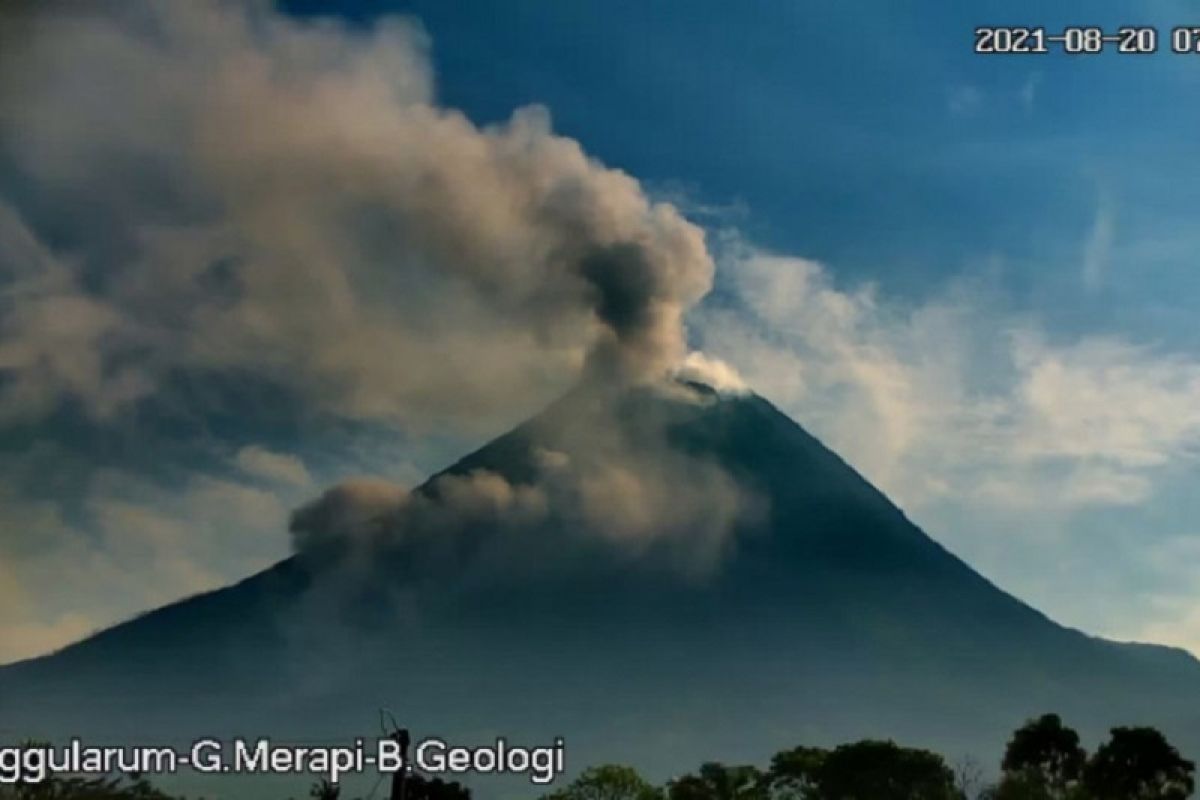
{"points": [[702, 368], [259, 462], [953, 396], [134, 543], [1105, 400]]}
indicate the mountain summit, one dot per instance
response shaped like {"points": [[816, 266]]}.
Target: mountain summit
{"points": [[660, 575]]}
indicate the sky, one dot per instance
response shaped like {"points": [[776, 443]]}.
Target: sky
{"points": [[972, 276]]}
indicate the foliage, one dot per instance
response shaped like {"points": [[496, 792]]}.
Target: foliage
{"points": [[324, 790], [867, 770], [1138, 764], [719, 782], [56, 788], [421, 788], [608, 782], [1030, 784], [873, 770], [1043, 760], [794, 773]]}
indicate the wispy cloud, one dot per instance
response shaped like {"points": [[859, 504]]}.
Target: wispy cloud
{"points": [[112, 543], [1029, 92], [1097, 248], [964, 100], [930, 399], [259, 462]]}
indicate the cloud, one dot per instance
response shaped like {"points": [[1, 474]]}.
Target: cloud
{"points": [[954, 397], [701, 368], [259, 462], [52, 333], [352, 511], [964, 100], [1029, 92], [1175, 621], [88, 547], [27, 632], [1099, 244], [1169, 612], [1108, 401], [39, 550], [287, 200]]}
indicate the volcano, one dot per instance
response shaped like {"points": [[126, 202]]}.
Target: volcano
{"points": [[820, 614]]}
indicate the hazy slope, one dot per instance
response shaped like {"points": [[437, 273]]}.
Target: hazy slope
{"points": [[826, 615]]}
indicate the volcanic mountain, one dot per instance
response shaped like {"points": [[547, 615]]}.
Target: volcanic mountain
{"points": [[786, 601]]}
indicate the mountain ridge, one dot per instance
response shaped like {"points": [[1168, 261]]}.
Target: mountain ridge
{"points": [[830, 616]]}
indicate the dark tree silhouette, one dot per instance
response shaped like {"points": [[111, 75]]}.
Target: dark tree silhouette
{"points": [[719, 782], [421, 788], [872, 770], [324, 790], [1030, 785], [1043, 759], [56, 788], [607, 782], [795, 773], [1138, 764]]}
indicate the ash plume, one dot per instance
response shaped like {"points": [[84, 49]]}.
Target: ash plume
{"points": [[215, 187], [214, 194]]}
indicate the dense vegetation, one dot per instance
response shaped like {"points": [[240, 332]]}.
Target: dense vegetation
{"points": [[1043, 761]]}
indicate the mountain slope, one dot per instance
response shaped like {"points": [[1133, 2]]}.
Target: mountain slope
{"points": [[824, 615]]}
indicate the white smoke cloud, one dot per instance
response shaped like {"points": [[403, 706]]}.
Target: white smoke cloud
{"points": [[286, 199], [609, 487], [713, 372]]}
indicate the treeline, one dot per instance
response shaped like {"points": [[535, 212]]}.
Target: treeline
{"points": [[1043, 761], [61, 788]]}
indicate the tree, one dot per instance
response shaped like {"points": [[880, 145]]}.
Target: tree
{"points": [[719, 782], [1138, 764], [1043, 760], [324, 790], [794, 774], [56, 788], [874, 770], [1031, 785], [421, 788], [968, 778], [607, 782]]}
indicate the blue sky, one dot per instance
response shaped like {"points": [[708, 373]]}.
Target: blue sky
{"points": [[974, 276], [869, 137]]}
